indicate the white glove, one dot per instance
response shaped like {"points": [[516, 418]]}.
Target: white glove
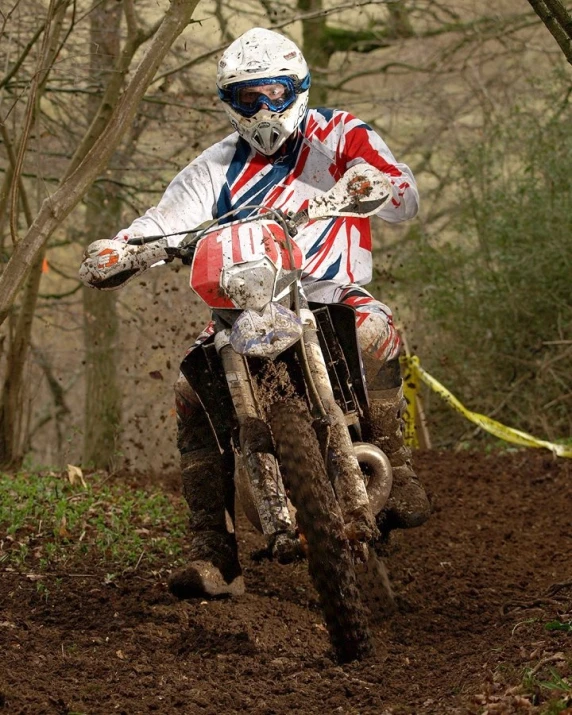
{"points": [[110, 264], [361, 191]]}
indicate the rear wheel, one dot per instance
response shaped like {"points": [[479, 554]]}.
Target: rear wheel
{"points": [[320, 519]]}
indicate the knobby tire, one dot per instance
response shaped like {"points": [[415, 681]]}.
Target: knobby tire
{"points": [[319, 517]]}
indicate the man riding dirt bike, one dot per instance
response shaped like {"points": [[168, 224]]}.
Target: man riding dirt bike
{"points": [[282, 156]]}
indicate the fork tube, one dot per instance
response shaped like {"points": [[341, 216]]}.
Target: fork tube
{"points": [[256, 446], [239, 383], [342, 464], [309, 327]]}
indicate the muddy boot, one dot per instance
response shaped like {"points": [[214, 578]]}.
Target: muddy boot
{"points": [[214, 569], [408, 505]]}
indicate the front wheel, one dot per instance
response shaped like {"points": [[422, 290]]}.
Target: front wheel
{"points": [[320, 519]]}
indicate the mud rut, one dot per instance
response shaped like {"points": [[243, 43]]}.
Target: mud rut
{"points": [[475, 588]]}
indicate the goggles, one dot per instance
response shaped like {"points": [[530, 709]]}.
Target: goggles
{"points": [[277, 93]]}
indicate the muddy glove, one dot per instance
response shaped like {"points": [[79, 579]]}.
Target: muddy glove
{"points": [[361, 191], [110, 264]]}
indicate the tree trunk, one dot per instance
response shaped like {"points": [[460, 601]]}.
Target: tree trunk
{"points": [[13, 394], [316, 49], [102, 393], [12, 400], [102, 416]]}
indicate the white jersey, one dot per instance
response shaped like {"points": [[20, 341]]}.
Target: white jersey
{"points": [[230, 175]]}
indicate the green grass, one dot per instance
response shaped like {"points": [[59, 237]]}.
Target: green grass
{"points": [[557, 683], [547, 686], [555, 707], [47, 523], [559, 626]]}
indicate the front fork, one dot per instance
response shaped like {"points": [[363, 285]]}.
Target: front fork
{"points": [[341, 461], [262, 483], [256, 444]]}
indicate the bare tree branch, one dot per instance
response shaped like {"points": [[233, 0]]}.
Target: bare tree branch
{"points": [[135, 38], [276, 26], [43, 69], [8, 180], [558, 21], [56, 207], [16, 66]]}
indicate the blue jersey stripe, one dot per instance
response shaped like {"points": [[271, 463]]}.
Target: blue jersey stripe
{"points": [[237, 164], [278, 171], [332, 271], [315, 247]]}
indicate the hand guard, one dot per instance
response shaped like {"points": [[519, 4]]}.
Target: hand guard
{"points": [[361, 191], [110, 264]]}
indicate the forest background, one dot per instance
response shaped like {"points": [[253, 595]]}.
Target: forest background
{"points": [[102, 102]]}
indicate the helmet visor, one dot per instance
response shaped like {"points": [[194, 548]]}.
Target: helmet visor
{"points": [[276, 93]]}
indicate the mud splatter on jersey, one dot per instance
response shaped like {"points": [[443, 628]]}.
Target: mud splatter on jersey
{"points": [[231, 177]]}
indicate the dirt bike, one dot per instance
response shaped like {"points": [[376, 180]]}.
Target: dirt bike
{"points": [[283, 385]]}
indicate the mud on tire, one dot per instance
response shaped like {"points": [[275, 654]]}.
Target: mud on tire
{"points": [[319, 516]]}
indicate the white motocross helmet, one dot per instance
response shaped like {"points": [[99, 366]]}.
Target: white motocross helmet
{"points": [[257, 58]]}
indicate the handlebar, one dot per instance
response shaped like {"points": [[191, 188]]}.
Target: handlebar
{"points": [[142, 240], [361, 192], [186, 250]]}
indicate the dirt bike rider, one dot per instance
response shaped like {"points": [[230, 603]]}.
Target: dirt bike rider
{"points": [[281, 155]]}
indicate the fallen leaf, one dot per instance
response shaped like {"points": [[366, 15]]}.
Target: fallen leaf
{"points": [[63, 530], [75, 475]]}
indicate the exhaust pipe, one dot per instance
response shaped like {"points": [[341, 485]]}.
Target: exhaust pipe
{"points": [[378, 474], [378, 477]]}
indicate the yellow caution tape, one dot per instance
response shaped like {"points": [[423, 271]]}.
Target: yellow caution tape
{"points": [[508, 434], [410, 390]]}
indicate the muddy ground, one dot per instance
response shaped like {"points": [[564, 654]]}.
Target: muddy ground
{"points": [[476, 588]]}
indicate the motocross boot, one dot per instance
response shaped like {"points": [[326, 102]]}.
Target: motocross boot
{"points": [[214, 569], [408, 505]]}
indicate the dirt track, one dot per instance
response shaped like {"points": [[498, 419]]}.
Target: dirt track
{"points": [[475, 587]]}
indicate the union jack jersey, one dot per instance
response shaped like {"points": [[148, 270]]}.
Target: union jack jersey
{"points": [[230, 175]]}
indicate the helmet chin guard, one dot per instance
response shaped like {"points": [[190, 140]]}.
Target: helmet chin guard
{"points": [[267, 56], [267, 136]]}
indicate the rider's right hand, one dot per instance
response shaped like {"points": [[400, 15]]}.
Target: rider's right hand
{"points": [[110, 264]]}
